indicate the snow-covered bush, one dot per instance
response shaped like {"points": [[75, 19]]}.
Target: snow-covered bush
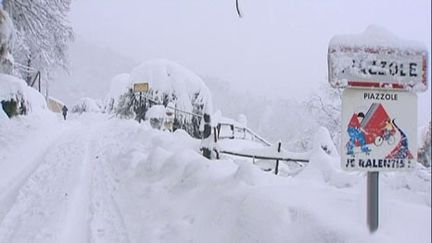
{"points": [[169, 83], [17, 98], [86, 105], [424, 152]]}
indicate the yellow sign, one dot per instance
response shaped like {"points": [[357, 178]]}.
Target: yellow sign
{"points": [[141, 87]]}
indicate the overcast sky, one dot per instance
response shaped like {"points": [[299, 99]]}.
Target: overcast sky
{"points": [[278, 48]]}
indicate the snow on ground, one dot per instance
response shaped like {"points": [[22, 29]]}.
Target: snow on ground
{"points": [[93, 178]]}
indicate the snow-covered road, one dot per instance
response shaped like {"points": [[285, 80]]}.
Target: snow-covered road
{"points": [[57, 189], [98, 179]]}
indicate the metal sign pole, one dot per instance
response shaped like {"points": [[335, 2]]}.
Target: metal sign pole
{"points": [[140, 108], [373, 200]]}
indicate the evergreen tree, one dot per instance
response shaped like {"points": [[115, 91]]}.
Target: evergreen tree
{"points": [[42, 34], [126, 105]]}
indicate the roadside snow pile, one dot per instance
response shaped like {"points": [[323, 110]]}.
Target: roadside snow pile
{"points": [[87, 105], [167, 192], [17, 98], [324, 163]]}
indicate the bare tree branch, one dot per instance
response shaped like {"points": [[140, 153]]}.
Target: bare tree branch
{"points": [[238, 9]]}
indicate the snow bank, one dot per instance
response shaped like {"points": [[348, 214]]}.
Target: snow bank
{"points": [[324, 163], [156, 111], [14, 88], [172, 194]]}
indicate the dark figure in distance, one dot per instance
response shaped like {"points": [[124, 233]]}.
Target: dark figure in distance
{"points": [[64, 109]]}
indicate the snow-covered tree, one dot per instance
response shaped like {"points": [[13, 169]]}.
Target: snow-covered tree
{"points": [[325, 108], [6, 31], [170, 85], [125, 106], [42, 34]]}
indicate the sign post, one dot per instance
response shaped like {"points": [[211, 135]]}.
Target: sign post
{"points": [[373, 200], [379, 107], [140, 88]]}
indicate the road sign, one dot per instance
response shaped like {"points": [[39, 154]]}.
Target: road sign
{"points": [[385, 68], [378, 130], [141, 87]]}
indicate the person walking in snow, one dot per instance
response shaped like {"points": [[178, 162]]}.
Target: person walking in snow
{"points": [[65, 110]]}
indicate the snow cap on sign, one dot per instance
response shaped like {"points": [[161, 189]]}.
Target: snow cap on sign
{"points": [[375, 36]]}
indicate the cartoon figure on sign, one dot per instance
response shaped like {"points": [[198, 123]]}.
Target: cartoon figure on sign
{"points": [[356, 134], [386, 134], [401, 150]]}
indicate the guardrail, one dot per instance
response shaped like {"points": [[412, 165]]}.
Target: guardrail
{"points": [[298, 161], [242, 132], [264, 155]]}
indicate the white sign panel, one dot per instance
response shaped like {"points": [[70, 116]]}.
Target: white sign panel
{"points": [[378, 130], [385, 68]]}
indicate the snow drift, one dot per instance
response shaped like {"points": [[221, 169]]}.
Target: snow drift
{"points": [[16, 90]]}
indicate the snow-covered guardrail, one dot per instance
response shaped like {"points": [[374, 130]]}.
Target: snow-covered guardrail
{"points": [[237, 132], [256, 156], [270, 153]]}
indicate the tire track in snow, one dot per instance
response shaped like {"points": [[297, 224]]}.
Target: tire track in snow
{"points": [[37, 214], [67, 198], [20, 164], [75, 225]]}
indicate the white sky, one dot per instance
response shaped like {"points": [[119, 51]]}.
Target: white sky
{"points": [[279, 48]]}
